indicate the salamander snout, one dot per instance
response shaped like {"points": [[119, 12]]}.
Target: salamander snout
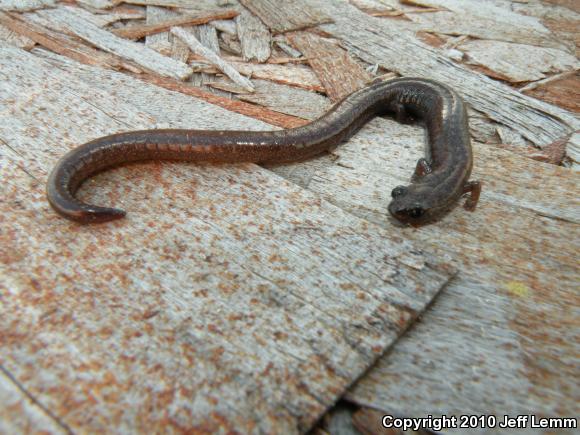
{"points": [[407, 206]]}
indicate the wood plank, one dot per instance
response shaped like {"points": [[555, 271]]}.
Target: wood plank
{"points": [[199, 49], [63, 44], [251, 110], [67, 17], [254, 37], [230, 43], [179, 4], [20, 413], [484, 21], [207, 35], [139, 31], [289, 100], [226, 26], [256, 112], [275, 305], [570, 4], [339, 73], [101, 20], [291, 75], [97, 4], [486, 334], [573, 151], [163, 42], [562, 90], [25, 5], [518, 62], [282, 43], [15, 39], [376, 42], [283, 16]]}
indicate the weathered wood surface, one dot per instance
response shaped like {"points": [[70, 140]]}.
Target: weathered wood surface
{"points": [[518, 62], [256, 112], [293, 75], [199, 49], [15, 39], [25, 5], [254, 37], [20, 414], [477, 337], [63, 44], [139, 31], [488, 336], [483, 20], [289, 100], [247, 304], [282, 16], [164, 42], [377, 41], [179, 4], [68, 18], [563, 89], [338, 71], [517, 257]]}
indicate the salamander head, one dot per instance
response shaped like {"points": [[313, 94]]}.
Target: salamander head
{"points": [[411, 204]]}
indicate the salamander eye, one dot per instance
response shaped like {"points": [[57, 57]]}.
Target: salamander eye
{"points": [[416, 212], [398, 191]]}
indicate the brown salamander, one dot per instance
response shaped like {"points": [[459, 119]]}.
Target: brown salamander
{"points": [[439, 180]]}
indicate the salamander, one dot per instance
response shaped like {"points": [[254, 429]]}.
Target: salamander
{"points": [[439, 179]]}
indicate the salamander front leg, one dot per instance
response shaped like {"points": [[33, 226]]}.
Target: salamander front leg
{"points": [[474, 189], [423, 168]]}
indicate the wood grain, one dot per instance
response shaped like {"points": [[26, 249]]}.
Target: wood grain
{"points": [[288, 100], [485, 346], [229, 299], [20, 413], [254, 37], [139, 31], [25, 5], [376, 42], [63, 44], [483, 21], [518, 62], [339, 73], [199, 49], [67, 17], [283, 16], [563, 90], [15, 39]]}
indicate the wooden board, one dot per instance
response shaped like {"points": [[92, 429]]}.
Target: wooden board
{"points": [[136, 32], [208, 54], [563, 90], [518, 62], [478, 336], [282, 16], [336, 69], [483, 21], [25, 5], [70, 19], [289, 100], [487, 335], [20, 413], [376, 41], [254, 37], [228, 299], [15, 39]]}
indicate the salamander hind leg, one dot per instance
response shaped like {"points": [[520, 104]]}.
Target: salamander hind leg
{"points": [[401, 114], [474, 190]]}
